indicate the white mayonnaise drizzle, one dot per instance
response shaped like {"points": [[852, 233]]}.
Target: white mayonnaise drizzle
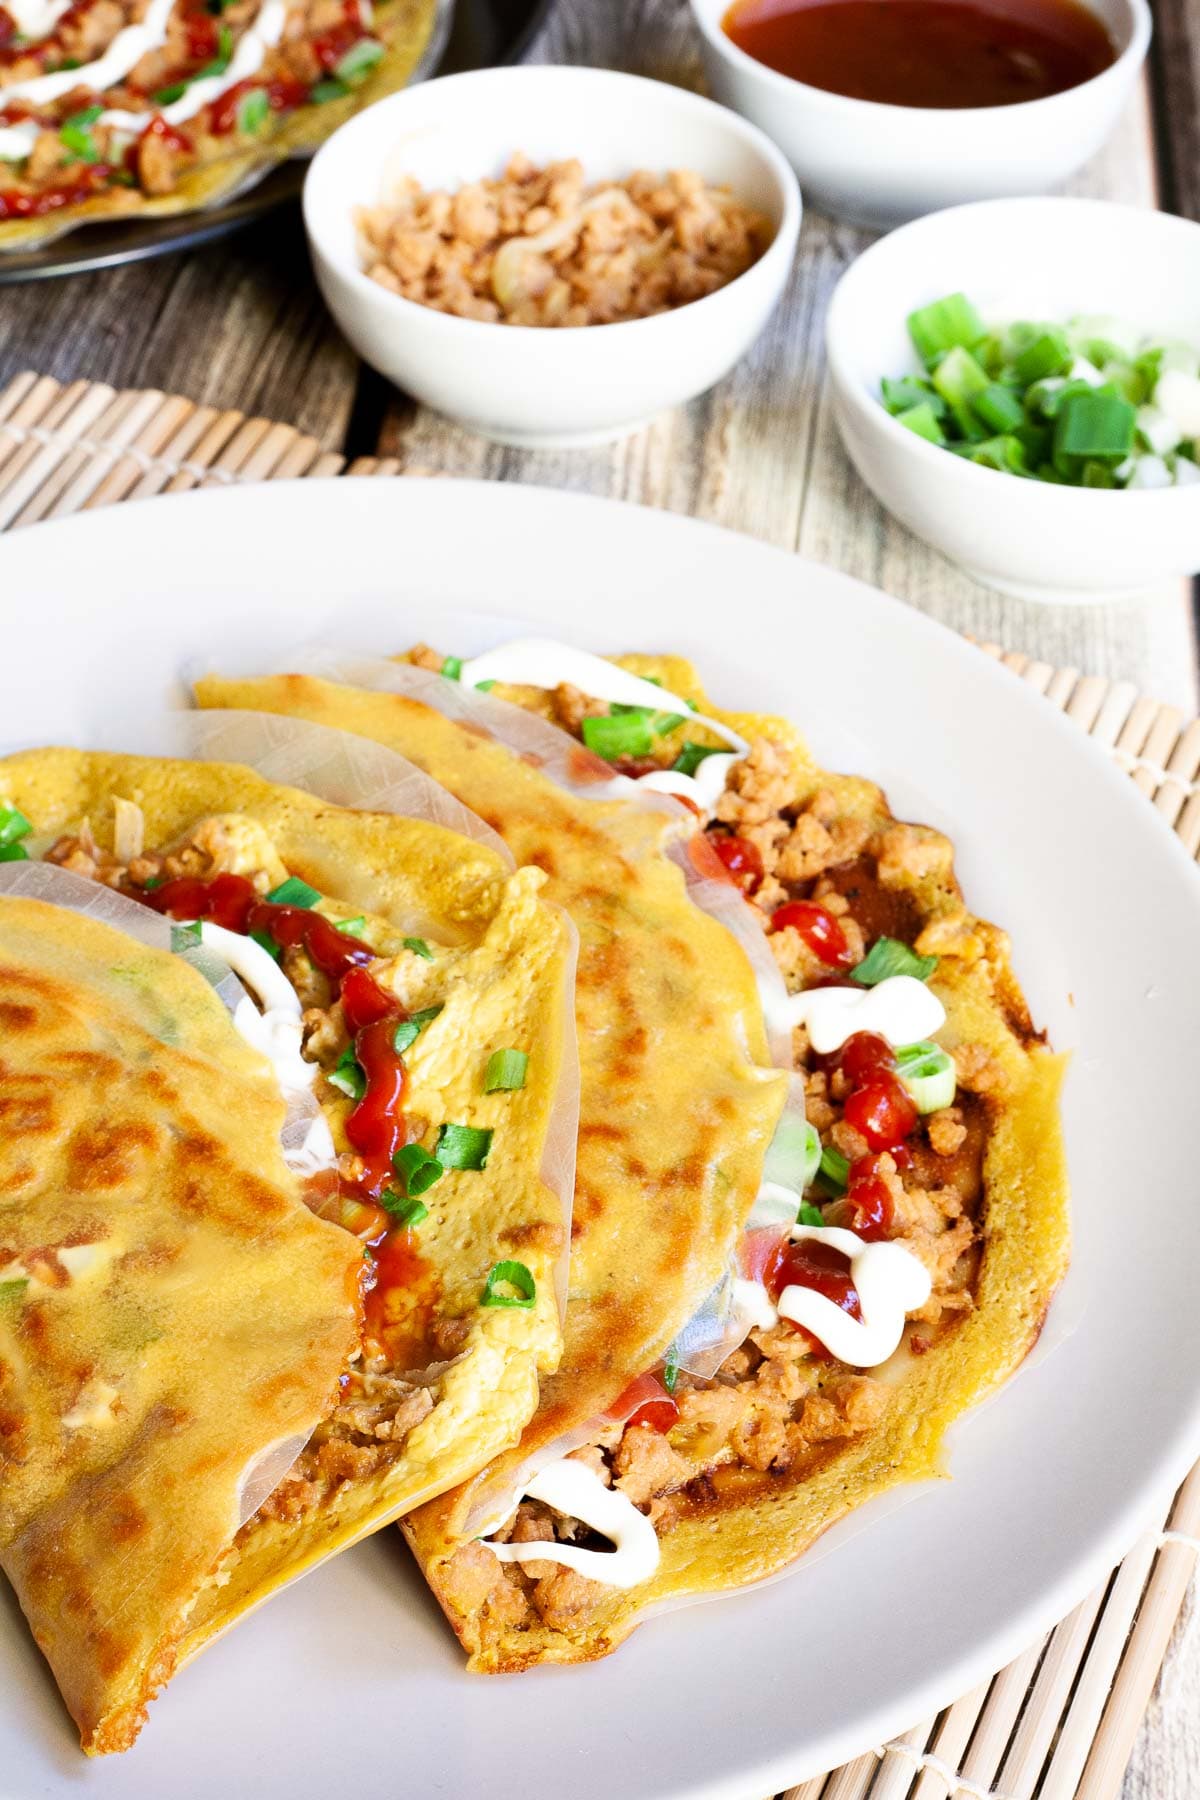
{"points": [[543, 663], [17, 141], [890, 1282], [900, 1008], [577, 1492], [36, 19], [705, 787], [125, 51], [277, 1030]]}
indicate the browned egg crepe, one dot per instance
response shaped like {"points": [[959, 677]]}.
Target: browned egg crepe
{"points": [[739, 1471], [169, 1310]]}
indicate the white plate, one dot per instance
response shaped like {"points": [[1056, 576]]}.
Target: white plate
{"points": [[349, 1682]]}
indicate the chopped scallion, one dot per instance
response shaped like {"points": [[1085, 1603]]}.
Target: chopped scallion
{"points": [[888, 956], [505, 1070], [419, 947], [927, 1071], [13, 853], [452, 668], [417, 1169], [357, 64], [13, 825], [294, 892], [410, 1029], [410, 1212], [810, 1215], [348, 1076], [944, 325], [253, 112], [670, 1374], [692, 755], [330, 90], [353, 927], [463, 1146], [834, 1169], [509, 1284], [623, 734], [75, 134]]}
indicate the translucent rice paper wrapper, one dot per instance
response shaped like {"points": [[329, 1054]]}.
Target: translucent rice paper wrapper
{"points": [[363, 776], [305, 1139], [721, 1324]]}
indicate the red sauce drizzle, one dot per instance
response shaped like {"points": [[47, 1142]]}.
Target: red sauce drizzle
{"points": [[818, 927], [811, 1264], [741, 860], [83, 184]]}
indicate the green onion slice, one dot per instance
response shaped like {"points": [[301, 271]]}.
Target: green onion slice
{"points": [[834, 1169], [357, 64], [328, 90], [13, 825], [417, 1169], [410, 1212], [419, 947], [670, 1374], [13, 853], [810, 1215], [452, 668], [353, 927], [348, 1075], [166, 96], [410, 1029], [945, 325], [888, 956], [928, 1073], [793, 1154], [253, 111], [620, 734], [692, 755], [505, 1070], [266, 942], [75, 134], [509, 1284], [294, 892], [463, 1146]]}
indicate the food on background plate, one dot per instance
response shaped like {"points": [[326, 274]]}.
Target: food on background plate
{"points": [[905, 1241], [430, 1074], [1095, 403], [926, 53], [119, 108], [542, 247]]}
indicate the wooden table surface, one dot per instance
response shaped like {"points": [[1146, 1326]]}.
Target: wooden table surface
{"points": [[240, 324]]}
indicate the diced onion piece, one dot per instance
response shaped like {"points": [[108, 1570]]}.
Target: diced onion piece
{"points": [[129, 830]]}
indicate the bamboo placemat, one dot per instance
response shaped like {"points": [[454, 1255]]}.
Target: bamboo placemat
{"points": [[1059, 1722]]}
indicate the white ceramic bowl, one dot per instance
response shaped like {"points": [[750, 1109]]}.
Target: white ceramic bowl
{"points": [[536, 386], [1047, 258], [880, 165]]}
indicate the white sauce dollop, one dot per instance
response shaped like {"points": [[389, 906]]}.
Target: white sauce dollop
{"points": [[277, 1030], [543, 663], [890, 1281], [36, 19], [705, 787], [126, 49], [577, 1492], [900, 1008], [17, 141]]}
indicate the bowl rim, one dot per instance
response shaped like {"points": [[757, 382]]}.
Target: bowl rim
{"points": [[849, 391], [774, 262], [886, 113]]}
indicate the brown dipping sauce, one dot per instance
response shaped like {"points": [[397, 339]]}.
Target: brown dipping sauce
{"points": [[934, 53]]}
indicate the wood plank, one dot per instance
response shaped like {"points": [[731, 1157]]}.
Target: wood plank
{"points": [[1175, 73], [237, 323]]}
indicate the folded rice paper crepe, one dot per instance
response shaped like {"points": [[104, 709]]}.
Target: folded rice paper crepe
{"points": [[208, 1389], [679, 1099], [788, 1437], [230, 161]]}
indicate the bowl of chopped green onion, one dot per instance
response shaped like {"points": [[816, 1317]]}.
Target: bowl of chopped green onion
{"points": [[1019, 382]]}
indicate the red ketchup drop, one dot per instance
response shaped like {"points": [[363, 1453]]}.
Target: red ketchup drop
{"points": [[868, 1200], [740, 859], [811, 1264], [882, 1111], [821, 931], [659, 1411]]}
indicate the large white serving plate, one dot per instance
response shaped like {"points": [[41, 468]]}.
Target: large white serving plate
{"points": [[349, 1683]]}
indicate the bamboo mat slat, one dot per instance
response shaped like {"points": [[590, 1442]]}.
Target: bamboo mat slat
{"points": [[1060, 1721]]}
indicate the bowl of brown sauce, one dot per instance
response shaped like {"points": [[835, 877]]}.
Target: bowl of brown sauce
{"points": [[888, 109]]}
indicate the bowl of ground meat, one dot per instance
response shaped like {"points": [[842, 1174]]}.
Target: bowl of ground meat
{"points": [[551, 256]]}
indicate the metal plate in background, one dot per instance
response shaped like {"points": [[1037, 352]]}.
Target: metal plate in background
{"points": [[475, 34]]}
